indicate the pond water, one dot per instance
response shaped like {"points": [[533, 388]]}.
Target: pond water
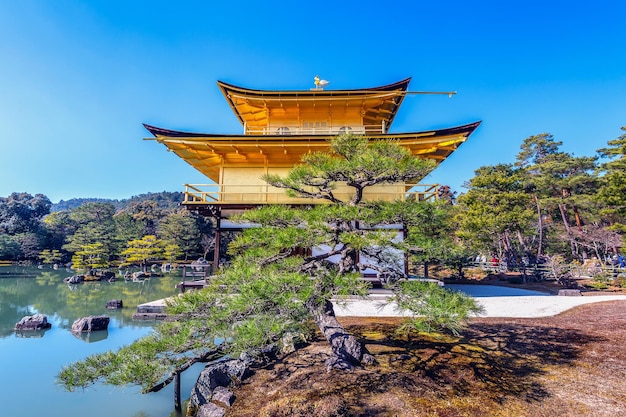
{"points": [[29, 362]]}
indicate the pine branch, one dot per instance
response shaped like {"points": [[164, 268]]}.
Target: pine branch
{"points": [[205, 357]]}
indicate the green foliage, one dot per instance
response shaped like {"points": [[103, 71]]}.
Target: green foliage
{"points": [[185, 230], [48, 256], [495, 208], [172, 252], [126, 228], [140, 251], [91, 256], [22, 213], [285, 271], [21, 223], [612, 191], [9, 248], [94, 224], [434, 308], [600, 282], [146, 212], [563, 187]]}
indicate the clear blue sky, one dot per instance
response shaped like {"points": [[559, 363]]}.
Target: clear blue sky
{"points": [[78, 78]]}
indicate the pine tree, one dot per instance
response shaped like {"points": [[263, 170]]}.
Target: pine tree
{"points": [[286, 271], [612, 191]]}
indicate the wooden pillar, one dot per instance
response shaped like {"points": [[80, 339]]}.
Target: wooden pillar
{"points": [[177, 404], [405, 232], [216, 253]]}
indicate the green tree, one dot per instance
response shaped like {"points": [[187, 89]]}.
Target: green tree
{"points": [[126, 228], [148, 213], [21, 217], [9, 248], [59, 226], [91, 256], [612, 190], [495, 215], [140, 251], [184, 230], [49, 257], [562, 186], [94, 224], [22, 213], [285, 272]]}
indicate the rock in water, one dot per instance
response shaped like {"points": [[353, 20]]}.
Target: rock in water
{"points": [[90, 324], [76, 279], [114, 304], [34, 322]]}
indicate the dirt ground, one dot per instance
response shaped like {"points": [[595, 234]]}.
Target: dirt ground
{"points": [[573, 364]]}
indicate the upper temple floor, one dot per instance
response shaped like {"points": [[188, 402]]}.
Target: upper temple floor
{"points": [[279, 127], [315, 111]]}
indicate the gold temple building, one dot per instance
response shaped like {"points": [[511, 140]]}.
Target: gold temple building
{"points": [[281, 126]]}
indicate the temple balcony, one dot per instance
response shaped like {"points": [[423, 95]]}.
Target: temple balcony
{"points": [[314, 128], [259, 194]]}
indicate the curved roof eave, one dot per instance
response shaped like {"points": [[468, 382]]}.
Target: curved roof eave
{"points": [[229, 90], [401, 85], [161, 132]]}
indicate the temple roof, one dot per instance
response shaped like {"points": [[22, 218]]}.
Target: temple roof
{"points": [[375, 105], [207, 152]]}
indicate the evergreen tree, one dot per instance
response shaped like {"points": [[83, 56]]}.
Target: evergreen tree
{"points": [[495, 215], [185, 230], [21, 217], [612, 191], [91, 256], [93, 224], [285, 272], [140, 251], [562, 186]]}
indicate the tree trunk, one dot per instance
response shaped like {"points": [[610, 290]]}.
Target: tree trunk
{"points": [[177, 404], [521, 241], [540, 226], [567, 228], [347, 349]]}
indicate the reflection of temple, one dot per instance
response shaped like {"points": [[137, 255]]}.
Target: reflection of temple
{"points": [[279, 127]]}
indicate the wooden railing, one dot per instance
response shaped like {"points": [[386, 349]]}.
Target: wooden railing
{"points": [[313, 130], [266, 194]]}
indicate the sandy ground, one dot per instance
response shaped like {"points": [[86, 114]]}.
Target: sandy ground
{"points": [[497, 302]]}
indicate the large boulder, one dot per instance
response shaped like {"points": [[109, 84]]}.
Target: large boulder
{"points": [[220, 374], [34, 322], [90, 324], [210, 410], [223, 396]]}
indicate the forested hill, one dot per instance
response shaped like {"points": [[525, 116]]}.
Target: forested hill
{"points": [[164, 199]]}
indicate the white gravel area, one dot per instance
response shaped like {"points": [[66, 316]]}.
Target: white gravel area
{"points": [[497, 302]]}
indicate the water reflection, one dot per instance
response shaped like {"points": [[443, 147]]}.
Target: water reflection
{"points": [[27, 290], [30, 360], [31, 333], [91, 337]]}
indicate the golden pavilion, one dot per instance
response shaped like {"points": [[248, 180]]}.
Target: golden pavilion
{"points": [[281, 126]]}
